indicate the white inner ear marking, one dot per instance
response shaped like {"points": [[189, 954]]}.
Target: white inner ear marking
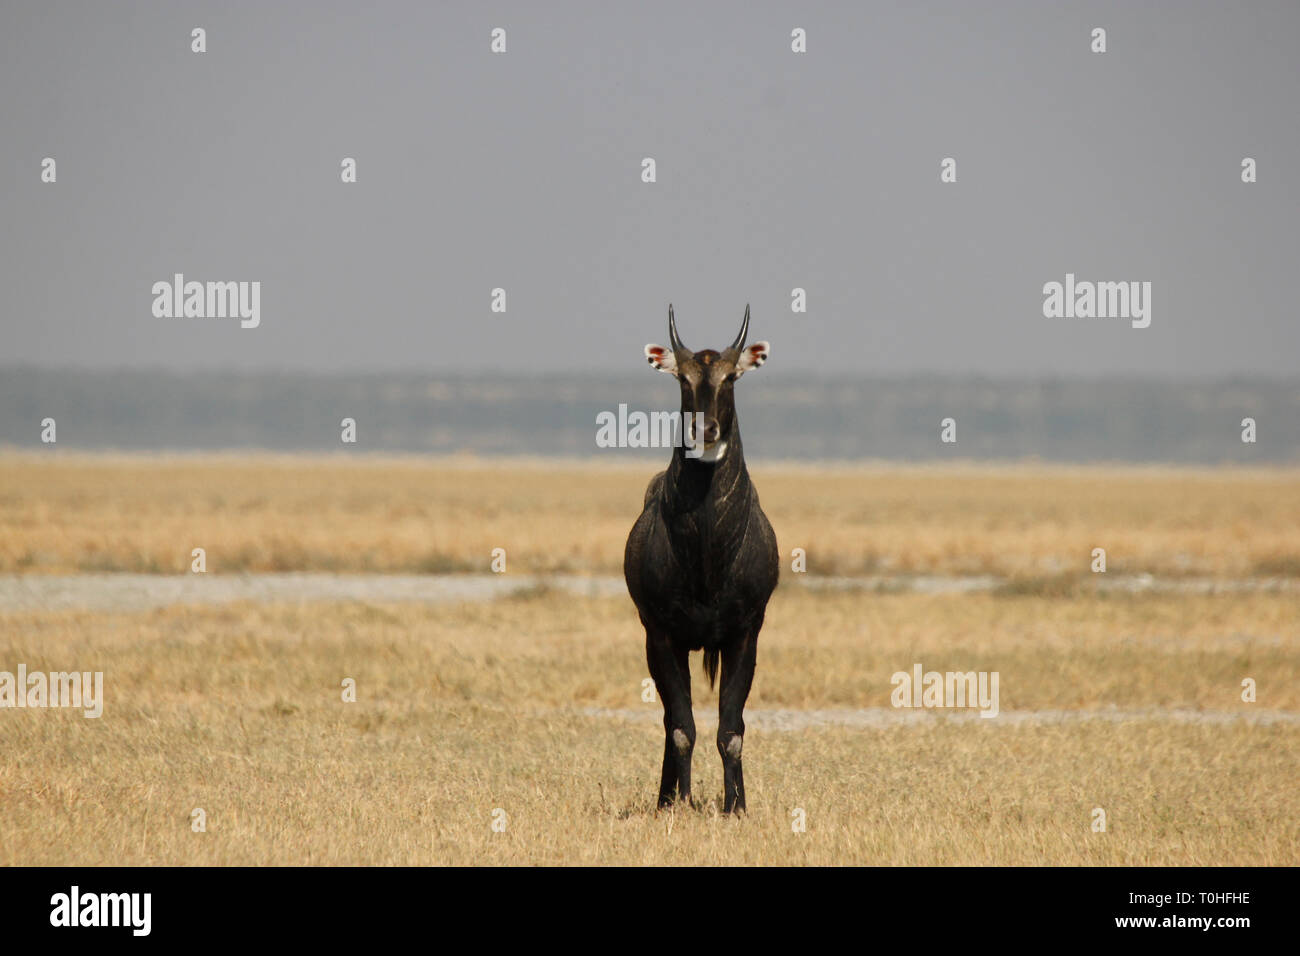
{"points": [[753, 356], [661, 358]]}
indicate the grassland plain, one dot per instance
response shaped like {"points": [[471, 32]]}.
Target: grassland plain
{"points": [[533, 704], [63, 513], [463, 709]]}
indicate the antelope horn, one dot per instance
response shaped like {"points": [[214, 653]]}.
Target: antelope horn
{"points": [[744, 330], [674, 340]]}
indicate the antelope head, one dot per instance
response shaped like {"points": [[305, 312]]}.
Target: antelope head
{"points": [[707, 379]]}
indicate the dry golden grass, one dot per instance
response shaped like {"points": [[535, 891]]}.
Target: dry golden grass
{"points": [[466, 708], [89, 513], [463, 709]]}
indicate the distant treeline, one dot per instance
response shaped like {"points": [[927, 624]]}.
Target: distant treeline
{"points": [[783, 417]]}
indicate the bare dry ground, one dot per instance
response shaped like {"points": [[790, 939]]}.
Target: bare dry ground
{"points": [[531, 704]]}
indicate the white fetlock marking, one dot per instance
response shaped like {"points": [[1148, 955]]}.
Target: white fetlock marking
{"points": [[681, 741], [734, 745]]}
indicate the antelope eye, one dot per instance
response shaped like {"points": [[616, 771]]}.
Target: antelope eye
{"points": [[732, 377]]}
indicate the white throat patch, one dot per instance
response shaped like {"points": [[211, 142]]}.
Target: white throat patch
{"points": [[714, 454]]}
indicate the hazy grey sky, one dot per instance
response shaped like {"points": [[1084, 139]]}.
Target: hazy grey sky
{"points": [[775, 170]]}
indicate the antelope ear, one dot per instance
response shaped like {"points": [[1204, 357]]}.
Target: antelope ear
{"points": [[752, 357], [661, 358]]}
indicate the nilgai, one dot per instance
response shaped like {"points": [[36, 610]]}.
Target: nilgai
{"points": [[701, 561]]}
